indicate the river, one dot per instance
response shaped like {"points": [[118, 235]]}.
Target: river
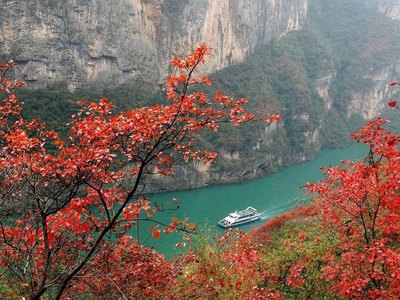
{"points": [[271, 195]]}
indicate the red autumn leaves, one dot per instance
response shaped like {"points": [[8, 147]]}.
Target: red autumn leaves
{"points": [[360, 201], [393, 103], [73, 207]]}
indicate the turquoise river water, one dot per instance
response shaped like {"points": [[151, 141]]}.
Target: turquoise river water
{"points": [[271, 195]]}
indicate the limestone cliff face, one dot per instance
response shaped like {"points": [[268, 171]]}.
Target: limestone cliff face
{"points": [[369, 98], [239, 166], [93, 42], [89, 43], [369, 102], [322, 86], [235, 28], [390, 8], [82, 41]]}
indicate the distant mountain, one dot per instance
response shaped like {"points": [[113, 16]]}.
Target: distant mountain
{"points": [[324, 65], [83, 43]]}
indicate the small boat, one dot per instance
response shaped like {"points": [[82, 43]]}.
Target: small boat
{"points": [[240, 217]]}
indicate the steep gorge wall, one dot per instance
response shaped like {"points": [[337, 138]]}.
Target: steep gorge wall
{"points": [[89, 43], [95, 42], [234, 29], [80, 42], [337, 90], [390, 8], [371, 101], [369, 98]]}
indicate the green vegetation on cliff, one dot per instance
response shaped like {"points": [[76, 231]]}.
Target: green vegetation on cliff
{"points": [[327, 58]]}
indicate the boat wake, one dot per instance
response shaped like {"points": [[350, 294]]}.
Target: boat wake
{"points": [[269, 213], [264, 215]]}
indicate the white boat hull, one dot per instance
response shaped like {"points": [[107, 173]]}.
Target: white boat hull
{"points": [[239, 223], [246, 216]]}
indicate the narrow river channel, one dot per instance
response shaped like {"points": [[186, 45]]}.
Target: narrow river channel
{"points": [[271, 195]]}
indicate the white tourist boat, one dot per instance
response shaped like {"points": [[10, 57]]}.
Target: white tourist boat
{"points": [[240, 217]]}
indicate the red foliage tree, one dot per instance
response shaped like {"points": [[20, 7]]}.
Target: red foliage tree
{"points": [[228, 267], [361, 202], [262, 233], [69, 210], [126, 271]]}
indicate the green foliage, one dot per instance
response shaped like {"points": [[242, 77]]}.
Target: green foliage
{"points": [[361, 40], [280, 77], [356, 31], [333, 124], [296, 238], [299, 240], [225, 266], [6, 292], [340, 38], [55, 107]]}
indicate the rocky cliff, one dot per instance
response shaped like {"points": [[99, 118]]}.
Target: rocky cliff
{"points": [[323, 79], [390, 8], [369, 98], [81, 43], [326, 80], [240, 166], [371, 101]]}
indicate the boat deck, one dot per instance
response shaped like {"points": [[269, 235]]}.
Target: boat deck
{"points": [[241, 217]]}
